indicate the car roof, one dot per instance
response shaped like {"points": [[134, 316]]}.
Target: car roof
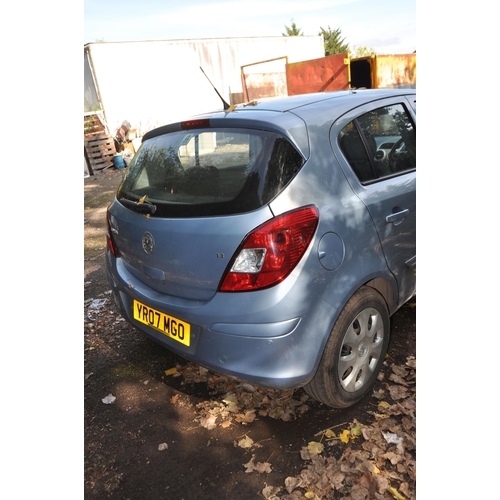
{"points": [[289, 103]]}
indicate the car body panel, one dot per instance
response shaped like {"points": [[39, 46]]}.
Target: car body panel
{"points": [[392, 205]]}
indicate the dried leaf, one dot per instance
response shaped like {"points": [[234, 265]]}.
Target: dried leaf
{"points": [[246, 442], [329, 434], [247, 417], [276, 412], [359, 493], [356, 431], [309, 476], [411, 362], [292, 482], [401, 371], [383, 405], [269, 492], [380, 416], [397, 379], [405, 489], [230, 399], [337, 479], [259, 467], [394, 458], [395, 493], [174, 399], [366, 480], [398, 392], [344, 436], [367, 433], [315, 448], [382, 484], [209, 422]]}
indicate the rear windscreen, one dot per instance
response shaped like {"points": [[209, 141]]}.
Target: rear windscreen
{"points": [[206, 172]]}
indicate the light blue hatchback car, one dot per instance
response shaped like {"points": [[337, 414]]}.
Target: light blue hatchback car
{"points": [[272, 241]]}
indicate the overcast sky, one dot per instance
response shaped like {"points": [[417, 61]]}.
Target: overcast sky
{"points": [[388, 26]]}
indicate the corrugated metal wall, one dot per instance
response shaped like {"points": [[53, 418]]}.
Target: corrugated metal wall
{"points": [[396, 70], [318, 75], [332, 73]]}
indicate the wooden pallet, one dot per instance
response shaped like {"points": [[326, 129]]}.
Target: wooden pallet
{"points": [[92, 125], [99, 150]]}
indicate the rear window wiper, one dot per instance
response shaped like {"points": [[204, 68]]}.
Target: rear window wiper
{"points": [[143, 205]]}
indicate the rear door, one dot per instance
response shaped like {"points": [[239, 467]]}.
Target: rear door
{"points": [[376, 146]]}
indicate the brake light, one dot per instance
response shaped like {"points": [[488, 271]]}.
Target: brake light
{"points": [[200, 123], [109, 237], [270, 252]]}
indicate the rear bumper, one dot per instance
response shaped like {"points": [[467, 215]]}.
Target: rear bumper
{"points": [[264, 337]]}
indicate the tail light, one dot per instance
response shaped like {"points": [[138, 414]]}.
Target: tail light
{"points": [[109, 237], [270, 252]]}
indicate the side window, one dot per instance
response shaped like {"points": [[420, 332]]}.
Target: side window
{"points": [[380, 143]]}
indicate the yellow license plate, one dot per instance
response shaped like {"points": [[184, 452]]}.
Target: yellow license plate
{"points": [[168, 325]]}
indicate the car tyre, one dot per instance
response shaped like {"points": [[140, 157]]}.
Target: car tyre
{"points": [[354, 352]]}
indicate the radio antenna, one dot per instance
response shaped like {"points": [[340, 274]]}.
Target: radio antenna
{"points": [[226, 105]]}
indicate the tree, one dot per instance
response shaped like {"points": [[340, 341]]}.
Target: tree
{"points": [[293, 30], [333, 42], [361, 52]]}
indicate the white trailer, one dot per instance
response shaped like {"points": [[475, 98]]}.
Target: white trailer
{"points": [[148, 84], [151, 83]]}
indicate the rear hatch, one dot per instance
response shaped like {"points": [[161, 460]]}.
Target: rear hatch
{"points": [[191, 195]]}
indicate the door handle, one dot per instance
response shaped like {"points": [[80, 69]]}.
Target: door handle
{"points": [[398, 217]]}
